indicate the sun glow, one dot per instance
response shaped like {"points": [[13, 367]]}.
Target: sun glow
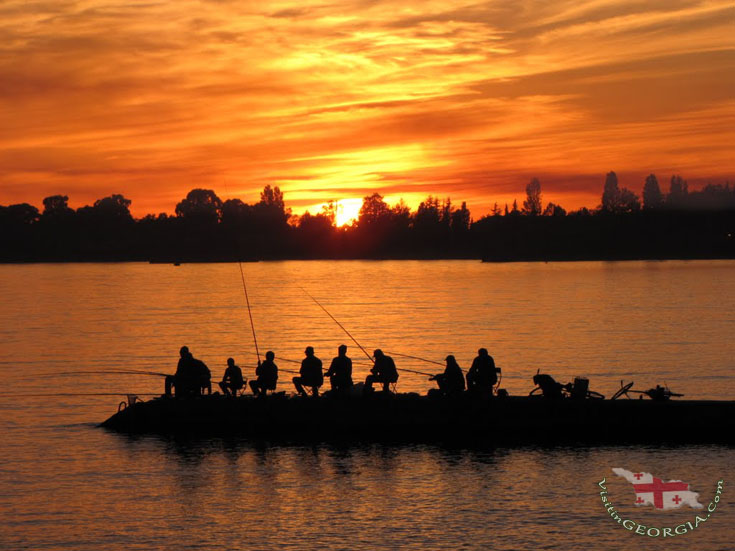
{"points": [[347, 211]]}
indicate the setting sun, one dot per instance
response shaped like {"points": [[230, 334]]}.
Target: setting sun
{"points": [[347, 211]]}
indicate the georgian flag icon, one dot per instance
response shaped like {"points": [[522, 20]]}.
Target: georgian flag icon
{"points": [[650, 490]]}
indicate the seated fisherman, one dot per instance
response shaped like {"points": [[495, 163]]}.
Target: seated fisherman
{"points": [[482, 375], [452, 380], [340, 371], [310, 374], [266, 375], [383, 371], [191, 376], [232, 379], [549, 387]]}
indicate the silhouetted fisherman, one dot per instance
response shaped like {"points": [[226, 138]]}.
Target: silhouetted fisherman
{"points": [[482, 375], [383, 371], [340, 371], [191, 376], [548, 386], [452, 380], [232, 379], [310, 373], [266, 376]]}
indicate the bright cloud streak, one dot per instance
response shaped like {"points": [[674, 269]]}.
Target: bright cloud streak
{"points": [[338, 100]]}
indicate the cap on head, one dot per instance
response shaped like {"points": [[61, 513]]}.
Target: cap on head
{"points": [[230, 361], [377, 353], [184, 350], [309, 351], [269, 355], [482, 352]]}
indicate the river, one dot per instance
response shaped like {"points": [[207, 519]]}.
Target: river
{"points": [[66, 484]]}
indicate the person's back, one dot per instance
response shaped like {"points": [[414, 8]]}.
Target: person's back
{"points": [[202, 375], [454, 377], [385, 368], [187, 374], [232, 380], [383, 371], [452, 380], [311, 371], [482, 375], [340, 370], [266, 375], [310, 374]]}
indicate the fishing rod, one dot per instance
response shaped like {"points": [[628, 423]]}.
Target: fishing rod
{"points": [[338, 323], [415, 358], [110, 371], [247, 298], [62, 394], [250, 313]]}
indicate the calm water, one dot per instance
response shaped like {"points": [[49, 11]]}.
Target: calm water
{"points": [[64, 484]]}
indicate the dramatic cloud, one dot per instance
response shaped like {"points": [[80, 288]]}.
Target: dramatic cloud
{"points": [[336, 100]]}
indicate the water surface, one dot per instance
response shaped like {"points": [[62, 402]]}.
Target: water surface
{"points": [[66, 484]]}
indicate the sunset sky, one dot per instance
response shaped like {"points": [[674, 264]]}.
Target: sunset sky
{"points": [[336, 100]]}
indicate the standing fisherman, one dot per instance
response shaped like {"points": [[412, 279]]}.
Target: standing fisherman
{"points": [[483, 375], [452, 380], [310, 374], [266, 375], [383, 371], [340, 371], [232, 379]]}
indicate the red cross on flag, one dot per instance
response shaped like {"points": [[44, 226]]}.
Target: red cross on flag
{"points": [[650, 490]]}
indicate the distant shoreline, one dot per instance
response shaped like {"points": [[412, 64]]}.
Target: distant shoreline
{"points": [[374, 259]]}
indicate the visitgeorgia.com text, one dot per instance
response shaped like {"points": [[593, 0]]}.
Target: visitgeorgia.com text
{"points": [[652, 531]]}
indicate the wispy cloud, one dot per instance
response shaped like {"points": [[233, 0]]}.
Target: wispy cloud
{"points": [[334, 99]]}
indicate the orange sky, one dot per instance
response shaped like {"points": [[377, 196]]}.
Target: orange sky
{"points": [[340, 99]]}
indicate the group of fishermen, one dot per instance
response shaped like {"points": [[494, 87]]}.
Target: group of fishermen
{"points": [[193, 377]]}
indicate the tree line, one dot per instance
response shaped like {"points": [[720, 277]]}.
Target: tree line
{"points": [[673, 224]]}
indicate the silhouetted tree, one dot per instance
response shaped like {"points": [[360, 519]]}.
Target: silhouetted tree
{"points": [[652, 197], [611, 193], [374, 210], [114, 207], [57, 205], [201, 205], [273, 207], [678, 192], [615, 200], [532, 204], [461, 218], [628, 202], [554, 210], [21, 214], [495, 211]]}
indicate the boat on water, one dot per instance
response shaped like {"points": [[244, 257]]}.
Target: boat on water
{"points": [[413, 418]]}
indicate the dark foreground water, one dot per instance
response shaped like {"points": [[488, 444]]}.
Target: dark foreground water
{"points": [[65, 484]]}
